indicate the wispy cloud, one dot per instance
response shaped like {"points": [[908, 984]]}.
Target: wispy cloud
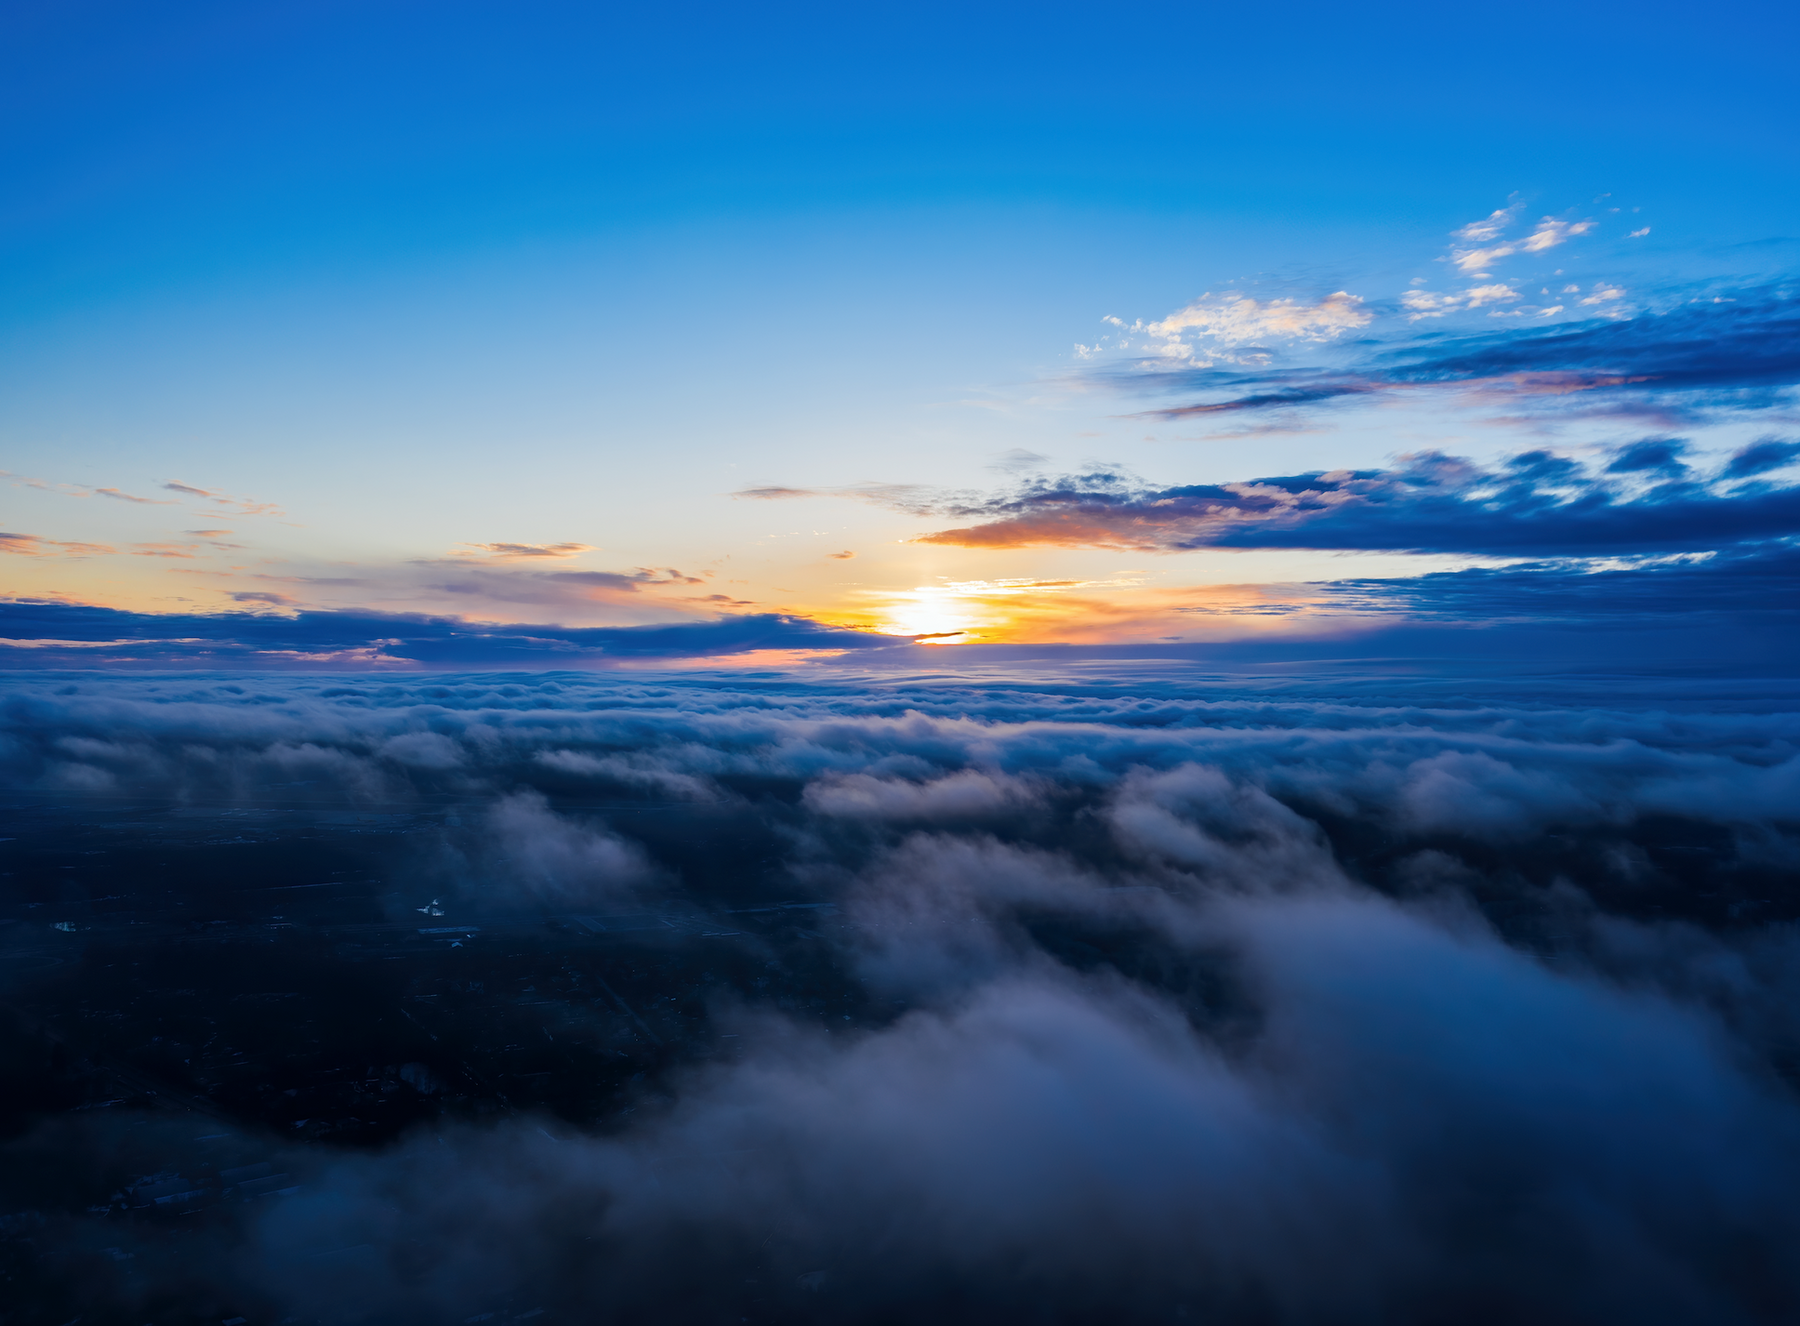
{"points": [[243, 506], [1016, 460], [1481, 253], [182, 550], [515, 552], [121, 496], [913, 497], [33, 545], [778, 492]]}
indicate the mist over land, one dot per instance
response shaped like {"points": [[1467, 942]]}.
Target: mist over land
{"points": [[1097, 992]]}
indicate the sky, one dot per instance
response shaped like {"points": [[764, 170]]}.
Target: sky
{"points": [[400, 336]]}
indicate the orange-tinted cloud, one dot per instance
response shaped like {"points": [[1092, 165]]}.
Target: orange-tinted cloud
{"points": [[32, 545]]}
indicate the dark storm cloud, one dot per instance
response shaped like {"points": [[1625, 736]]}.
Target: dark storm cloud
{"points": [[1735, 349], [50, 634], [1534, 504], [1194, 1012]]}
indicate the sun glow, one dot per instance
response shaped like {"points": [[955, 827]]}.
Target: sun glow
{"points": [[960, 612], [937, 615]]}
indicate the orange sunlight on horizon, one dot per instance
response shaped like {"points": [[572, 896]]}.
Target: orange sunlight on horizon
{"points": [[1033, 611]]}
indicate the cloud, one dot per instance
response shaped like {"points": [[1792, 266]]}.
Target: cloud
{"points": [[1660, 456], [512, 552], [536, 854], [1197, 772], [1548, 233], [1419, 1114], [667, 575], [1727, 353], [243, 506], [911, 497], [1281, 398], [1137, 994], [117, 495], [474, 578], [180, 550], [33, 545], [1427, 304], [777, 493], [1490, 227], [966, 796], [1237, 320], [1762, 456], [1752, 587], [1534, 504], [309, 638], [1015, 459]]}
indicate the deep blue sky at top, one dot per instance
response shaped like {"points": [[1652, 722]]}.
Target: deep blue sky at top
{"points": [[166, 144]]}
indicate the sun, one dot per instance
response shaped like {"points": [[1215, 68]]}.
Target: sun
{"points": [[940, 616]]}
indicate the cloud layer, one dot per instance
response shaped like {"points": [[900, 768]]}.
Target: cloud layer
{"points": [[1730, 350], [48, 634], [1338, 1000], [1537, 503]]}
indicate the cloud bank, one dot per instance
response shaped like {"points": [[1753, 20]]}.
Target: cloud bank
{"points": [[1330, 1000]]}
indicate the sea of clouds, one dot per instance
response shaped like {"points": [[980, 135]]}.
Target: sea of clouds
{"points": [[1288, 999]]}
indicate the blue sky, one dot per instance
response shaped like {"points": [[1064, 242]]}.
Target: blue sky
{"points": [[492, 316]]}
